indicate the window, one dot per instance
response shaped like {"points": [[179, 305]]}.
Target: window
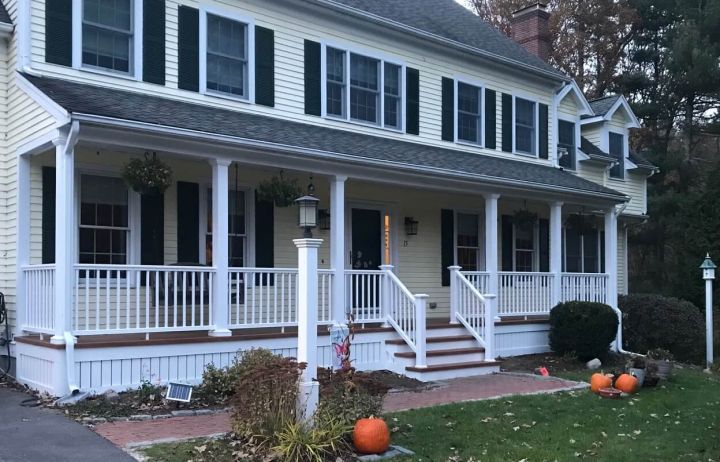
{"points": [[617, 150], [372, 92], [237, 234], [104, 224], [469, 107], [525, 122], [566, 140], [107, 34], [468, 242], [524, 248], [582, 251], [227, 56]]}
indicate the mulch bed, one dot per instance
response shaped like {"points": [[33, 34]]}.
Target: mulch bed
{"points": [[395, 382], [557, 364]]}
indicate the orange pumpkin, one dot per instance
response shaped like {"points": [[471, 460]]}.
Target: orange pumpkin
{"points": [[598, 381], [626, 383], [371, 436]]}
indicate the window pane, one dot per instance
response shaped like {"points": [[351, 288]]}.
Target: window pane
{"points": [[364, 88], [107, 34], [590, 250], [617, 150], [468, 98], [524, 126], [523, 260], [467, 258], [226, 55], [468, 117], [468, 233], [364, 72], [111, 13], [566, 139], [236, 209], [364, 105], [573, 252], [524, 238], [392, 85], [103, 190], [236, 251], [335, 65]]}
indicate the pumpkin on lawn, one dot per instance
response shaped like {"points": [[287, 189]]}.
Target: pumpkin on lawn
{"points": [[599, 381], [371, 436], [626, 383]]}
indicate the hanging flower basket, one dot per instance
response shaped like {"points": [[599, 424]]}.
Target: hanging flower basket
{"points": [[149, 175], [279, 190], [525, 219], [582, 224]]}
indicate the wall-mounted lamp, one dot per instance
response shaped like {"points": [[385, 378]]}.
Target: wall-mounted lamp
{"points": [[324, 219], [411, 226]]}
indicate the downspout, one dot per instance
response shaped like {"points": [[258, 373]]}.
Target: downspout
{"points": [[24, 31], [618, 338]]}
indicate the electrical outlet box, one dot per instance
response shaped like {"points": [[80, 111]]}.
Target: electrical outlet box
{"points": [[432, 305]]}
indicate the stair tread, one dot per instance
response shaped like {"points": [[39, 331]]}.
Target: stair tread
{"points": [[451, 366], [447, 338], [448, 352]]}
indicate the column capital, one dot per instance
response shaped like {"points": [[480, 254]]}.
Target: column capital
{"points": [[556, 204], [339, 178], [60, 140], [220, 161], [307, 243], [386, 267], [454, 268], [491, 196]]}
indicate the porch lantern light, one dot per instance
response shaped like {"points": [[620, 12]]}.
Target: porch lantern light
{"points": [[708, 267], [324, 219], [307, 214], [411, 226]]}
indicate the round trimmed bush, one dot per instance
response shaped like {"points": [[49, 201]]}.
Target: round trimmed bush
{"points": [[653, 321], [584, 329]]}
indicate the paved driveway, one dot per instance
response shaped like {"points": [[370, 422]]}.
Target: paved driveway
{"points": [[37, 434]]}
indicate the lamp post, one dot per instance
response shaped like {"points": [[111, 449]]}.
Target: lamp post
{"points": [[708, 269]]}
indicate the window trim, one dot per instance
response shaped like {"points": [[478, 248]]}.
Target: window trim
{"points": [[382, 58], [625, 153], [481, 86], [600, 256], [136, 50], [481, 259], [578, 134], [536, 102], [202, 52]]}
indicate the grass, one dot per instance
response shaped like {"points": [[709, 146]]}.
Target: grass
{"points": [[199, 450]]}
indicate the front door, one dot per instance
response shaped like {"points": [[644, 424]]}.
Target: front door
{"points": [[365, 254]]}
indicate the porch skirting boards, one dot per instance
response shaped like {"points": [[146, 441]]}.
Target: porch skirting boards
{"points": [[102, 367]]}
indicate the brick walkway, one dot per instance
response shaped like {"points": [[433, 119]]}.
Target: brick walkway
{"points": [[473, 388]]}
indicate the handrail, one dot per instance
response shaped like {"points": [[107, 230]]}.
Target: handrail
{"points": [[473, 310], [405, 312]]}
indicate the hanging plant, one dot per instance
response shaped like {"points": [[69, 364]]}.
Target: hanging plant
{"points": [[582, 224], [149, 175], [279, 190], [525, 219]]}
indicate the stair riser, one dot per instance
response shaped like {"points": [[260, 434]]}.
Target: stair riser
{"points": [[447, 331], [440, 360], [438, 346], [452, 374]]}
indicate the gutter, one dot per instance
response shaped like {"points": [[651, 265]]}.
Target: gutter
{"points": [[327, 155], [441, 40]]}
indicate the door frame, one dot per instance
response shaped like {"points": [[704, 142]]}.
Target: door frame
{"points": [[383, 208]]}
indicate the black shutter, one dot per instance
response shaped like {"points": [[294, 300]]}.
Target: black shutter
{"points": [[48, 214], [490, 119], [264, 234], [188, 226], [188, 48], [543, 125], [313, 80], [448, 108], [506, 231], [412, 102], [264, 66], [154, 41], [58, 32], [152, 229], [544, 244], [602, 251], [447, 243], [507, 123]]}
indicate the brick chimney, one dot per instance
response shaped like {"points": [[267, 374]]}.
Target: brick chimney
{"points": [[530, 28]]}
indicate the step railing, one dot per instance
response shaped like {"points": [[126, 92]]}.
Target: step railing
{"points": [[39, 286], [586, 287], [473, 309], [405, 312]]}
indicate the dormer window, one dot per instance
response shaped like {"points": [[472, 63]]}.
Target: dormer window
{"points": [[371, 92], [567, 141], [107, 35], [616, 145]]}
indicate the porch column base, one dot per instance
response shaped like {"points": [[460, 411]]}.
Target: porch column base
{"points": [[220, 333], [57, 340], [308, 399]]}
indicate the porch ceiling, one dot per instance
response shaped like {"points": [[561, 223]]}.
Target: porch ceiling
{"points": [[295, 137]]}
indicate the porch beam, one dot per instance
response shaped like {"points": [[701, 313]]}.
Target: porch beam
{"points": [[220, 255], [64, 230], [556, 250], [337, 247], [491, 241]]}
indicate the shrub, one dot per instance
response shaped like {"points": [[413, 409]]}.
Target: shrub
{"points": [[300, 442], [582, 328], [654, 321], [348, 396], [266, 393], [219, 384]]}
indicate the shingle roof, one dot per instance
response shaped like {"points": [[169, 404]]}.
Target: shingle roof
{"points": [[450, 20], [290, 136], [4, 16], [594, 152], [642, 162], [601, 106]]}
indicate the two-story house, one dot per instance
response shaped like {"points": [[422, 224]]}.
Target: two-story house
{"points": [[448, 159]]}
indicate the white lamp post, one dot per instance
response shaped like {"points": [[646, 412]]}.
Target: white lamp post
{"points": [[708, 268]]}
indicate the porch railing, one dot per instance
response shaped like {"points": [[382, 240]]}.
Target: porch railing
{"points": [[405, 313], [588, 287], [523, 294], [473, 309], [363, 300], [39, 298], [133, 298]]}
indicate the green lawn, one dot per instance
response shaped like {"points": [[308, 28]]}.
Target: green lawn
{"points": [[679, 420]]}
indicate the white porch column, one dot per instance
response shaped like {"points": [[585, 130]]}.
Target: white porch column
{"points": [[611, 256], [454, 297], [491, 242], [23, 239], [556, 250], [64, 231], [307, 291], [220, 256], [337, 247]]}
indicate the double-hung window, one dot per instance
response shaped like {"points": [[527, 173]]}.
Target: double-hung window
{"points": [[237, 232], [104, 231], [107, 35], [525, 126], [227, 66], [468, 242], [616, 144], [524, 248], [363, 88], [469, 113], [582, 251], [567, 142]]}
